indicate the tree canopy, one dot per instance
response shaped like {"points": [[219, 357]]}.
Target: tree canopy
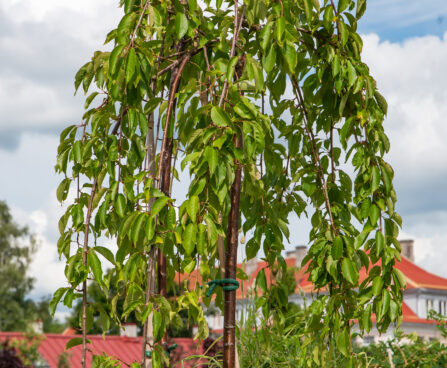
{"points": [[16, 249], [272, 112]]}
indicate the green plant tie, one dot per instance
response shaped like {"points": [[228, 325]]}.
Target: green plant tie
{"points": [[168, 350], [226, 284]]}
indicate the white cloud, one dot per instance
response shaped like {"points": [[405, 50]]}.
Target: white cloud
{"points": [[43, 44], [45, 267], [412, 76]]}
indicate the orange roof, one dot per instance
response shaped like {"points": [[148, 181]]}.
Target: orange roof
{"points": [[419, 278]]}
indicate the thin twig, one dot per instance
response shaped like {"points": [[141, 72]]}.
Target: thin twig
{"points": [[314, 152]]}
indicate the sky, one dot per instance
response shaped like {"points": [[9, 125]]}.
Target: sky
{"points": [[43, 43]]}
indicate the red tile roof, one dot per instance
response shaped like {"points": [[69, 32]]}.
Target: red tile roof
{"points": [[126, 349]]}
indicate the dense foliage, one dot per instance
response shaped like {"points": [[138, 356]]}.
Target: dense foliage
{"points": [[269, 107]]}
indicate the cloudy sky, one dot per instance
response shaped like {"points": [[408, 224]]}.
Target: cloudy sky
{"points": [[43, 43]]}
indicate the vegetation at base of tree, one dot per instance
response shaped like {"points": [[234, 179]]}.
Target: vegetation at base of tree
{"points": [[405, 351], [269, 108], [273, 342]]}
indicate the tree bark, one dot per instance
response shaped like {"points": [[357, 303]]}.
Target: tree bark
{"points": [[231, 266], [165, 163], [148, 335]]}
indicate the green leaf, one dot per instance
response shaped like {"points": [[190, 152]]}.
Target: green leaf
{"points": [[190, 266], [261, 281], [131, 65], [308, 10], [279, 29], [230, 69], [201, 241], [120, 205], [335, 66], [350, 272], [375, 179], [377, 285], [380, 241], [366, 318], [114, 59], [400, 277], [374, 214], [62, 189], [106, 253], [342, 5], [89, 99], [137, 226], [266, 34], [269, 60], [189, 238], [381, 101], [159, 204], [95, 265], [75, 341], [352, 74], [386, 179], [156, 325], [212, 230], [386, 298], [150, 228], [290, 56], [343, 342], [361, 7], [181, 25], [56, 298], [193, 208], [344, 33], [337, 248], [328, 16], [77, 152], [212, 158], [220, 117]]}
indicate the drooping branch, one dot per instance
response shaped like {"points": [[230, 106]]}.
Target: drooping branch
{"points": [[84, 283]]}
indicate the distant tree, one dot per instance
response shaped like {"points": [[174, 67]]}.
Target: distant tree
{"points": [[16, 249], [17, 310]]}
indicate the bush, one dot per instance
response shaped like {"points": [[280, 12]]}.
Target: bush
{"points": [[8, 357]]}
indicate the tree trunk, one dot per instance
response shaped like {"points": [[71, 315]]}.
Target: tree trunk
{"points": [[230, 268]]}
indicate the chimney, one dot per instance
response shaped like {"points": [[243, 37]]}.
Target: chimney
{"points": [[129, 330], [407, 248], [251, 266], [38, 326], [300, 253]]}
